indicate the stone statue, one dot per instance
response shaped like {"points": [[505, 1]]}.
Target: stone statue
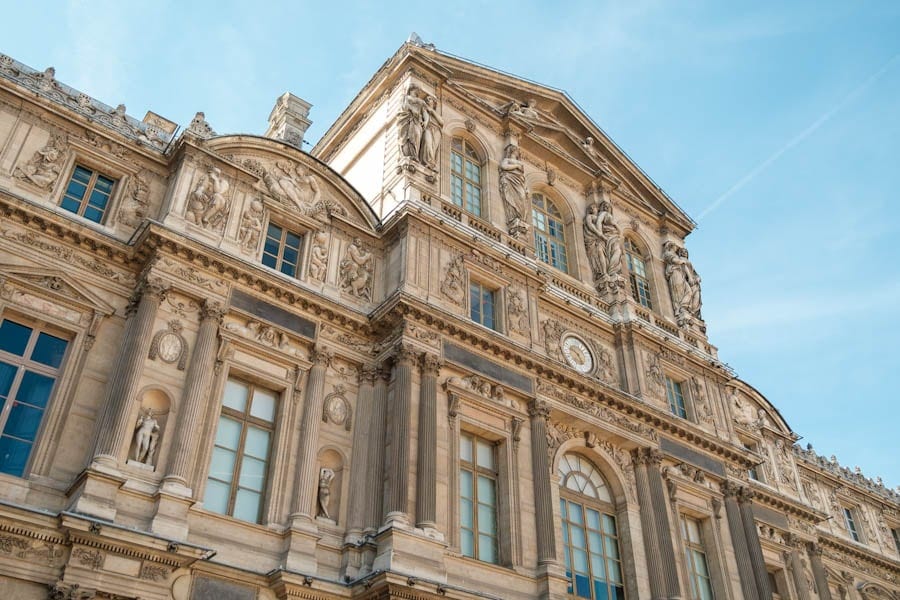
{"points": [[318, 256], [684, 283], [207, 206], [356, 271], [326, 476], [43, 168], [412, 122], [512, 185], [251, 226], [135, 208], [603, 242], [146, 435], [431, 136]]}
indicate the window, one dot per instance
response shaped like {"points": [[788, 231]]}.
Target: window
{"points": [[465, 176], [895, 533], [240, 460], [637, 273], [850, 522], [88, 194], [481, 305], [29, 364], [282, 250], [478, 498], [754, 472], [675, 396], [589, 531], [695, 559], [549, 235]]}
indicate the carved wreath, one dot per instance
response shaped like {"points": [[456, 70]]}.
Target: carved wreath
{"points": [[337, 409], [169, 345]]}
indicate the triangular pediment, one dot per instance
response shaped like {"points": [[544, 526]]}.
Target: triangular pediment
{"points": [[55, 284]]}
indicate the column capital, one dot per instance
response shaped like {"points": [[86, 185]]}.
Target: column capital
{"points": [[538, 408], [646, 456], [368, 374], [151, 287], [814, 549], [746, 495], [430, 364], [320, 355], [730, 490], [406, 353], [212, 310]]}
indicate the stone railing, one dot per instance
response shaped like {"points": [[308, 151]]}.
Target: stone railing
{"points": [[854, 476]]}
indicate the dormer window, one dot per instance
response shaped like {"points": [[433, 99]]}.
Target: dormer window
{"points": [[465, 176], [549, 233]]}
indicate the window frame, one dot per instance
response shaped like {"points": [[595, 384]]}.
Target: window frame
{"points": [[23, 365], [643, 295], [477, 470], [494, 294], [546, 234], [246, 420], [279, 258], [84, 202], [691, 548], [851, 516], [667, 379], [463, 177]]}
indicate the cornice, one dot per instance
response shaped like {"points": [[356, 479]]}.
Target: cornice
{"points": [[787, 505], [878, 560]]}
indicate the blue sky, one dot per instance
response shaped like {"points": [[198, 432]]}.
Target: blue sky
{"points": [[775, 125]]}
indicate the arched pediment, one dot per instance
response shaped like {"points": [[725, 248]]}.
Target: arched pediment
{"points": [[296, 179], [751, 410]]}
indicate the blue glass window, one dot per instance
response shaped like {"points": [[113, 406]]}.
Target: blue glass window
{"points": [[675, 395], [88, 194], [282, 250], [481, 305], [465, 176], [549, 233]]}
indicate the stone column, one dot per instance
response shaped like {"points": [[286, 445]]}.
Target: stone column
{"points": [[426, 462], [116, 424], [398, 490], [359, 459], [539, 411], [739, 542], [375, 474], [818, 569], [194, 396], [661, 519], [655, 571], [792, 558], [307, 479], [745, 502]]}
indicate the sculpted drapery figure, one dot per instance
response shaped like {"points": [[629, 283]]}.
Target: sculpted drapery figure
{"points": [[356, 271], [43, 168], [513, 190], [207, 206], [431, 136], [251, 225], [603, 242], [412, 122], [684, 283], [318, 259]]}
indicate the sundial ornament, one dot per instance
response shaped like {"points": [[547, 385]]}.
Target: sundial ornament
{"points": [[577, 354]]}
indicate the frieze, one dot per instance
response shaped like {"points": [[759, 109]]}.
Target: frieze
{"points": [[193, 276], [353, 342], [154, 572], [264, 334], [88, 558], [42, 305], [601, 412], [43, 168]]}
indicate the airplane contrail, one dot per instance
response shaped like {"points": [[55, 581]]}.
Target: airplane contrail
{"points": [[799, 137]]}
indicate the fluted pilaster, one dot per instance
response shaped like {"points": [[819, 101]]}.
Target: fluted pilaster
{"points": [[663, 529], [655, 572], [792, 558], [195, 395], [360, 466], [739, 542], [307, 476], [399, 426], [116, 424], [375, 474], [760, 575], [818, 569], [426, 463], [539, 411]]}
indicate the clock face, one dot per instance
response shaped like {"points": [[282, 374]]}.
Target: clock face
{"points": [[577, 354]]}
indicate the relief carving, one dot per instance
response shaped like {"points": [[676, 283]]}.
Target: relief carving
{"points": [[318, 256], [684, 284], [169, 345], [701, 402], [653, 374], [476, 384], [44, 166], [517, 310], [136, 204], [251, 226], [453, 285], [553, 332], [337, 409], [356, 271], [207, 206], [605, 370]]}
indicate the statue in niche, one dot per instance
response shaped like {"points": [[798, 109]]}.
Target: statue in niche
{"points": [[207, 206], [603, 242], [44, 167], [412, 122], [146, 436], [431, 135], [318, 256], [251, 226], [684, 283], [513, 190], [356, 271], [326, 476]]}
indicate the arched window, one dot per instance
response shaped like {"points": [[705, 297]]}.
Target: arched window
{"points": [[549, 234], [465, 176], [637, 273], [589, 531]]}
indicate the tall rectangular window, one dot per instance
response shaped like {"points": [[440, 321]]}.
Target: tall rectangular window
{"points": [[675, 396], [850, 522], [239, 468], [481, 305], [895, 532], [478, 498], [282, 250], [695, 559], [465, 176], [88, 194], [29, 364]]}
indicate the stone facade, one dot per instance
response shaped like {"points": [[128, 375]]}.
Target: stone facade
{"points": [[322, 307]]}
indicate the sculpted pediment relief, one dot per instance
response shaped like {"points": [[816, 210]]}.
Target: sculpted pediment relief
{"points": [[750, 411], [52, 284]]}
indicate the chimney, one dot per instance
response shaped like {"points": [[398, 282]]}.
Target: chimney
{"points": [[288, 120]]}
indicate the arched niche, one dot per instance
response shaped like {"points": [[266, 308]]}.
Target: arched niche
{"points": [[150, 424], [330, 484]]}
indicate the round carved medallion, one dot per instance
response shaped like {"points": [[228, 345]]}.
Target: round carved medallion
{"points": [[169, 347], [577, 354]]}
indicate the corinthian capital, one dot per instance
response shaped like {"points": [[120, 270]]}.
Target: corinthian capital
{"points": [[320, 355], [405, 353], [212, 310], [430, 364], [538, 408]]}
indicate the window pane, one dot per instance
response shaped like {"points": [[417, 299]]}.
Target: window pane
{"points": [[575, 513], [465, 448], [13, 337], [466, 515], [577, 537], [253, 474], [263, 406], [35, 389], [257, 443], [486, 549], [246, 506], [23, 422], [235, 395], [485, 455], [49, 350], [7, 373], [465, 484], [593, 519], [486, 490], [216, 497], [13, 455], [92, 214], [486, 522], [467, 543], [601, 592], [598, 568], [222, 464], [582, 586], [228, 435]]}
